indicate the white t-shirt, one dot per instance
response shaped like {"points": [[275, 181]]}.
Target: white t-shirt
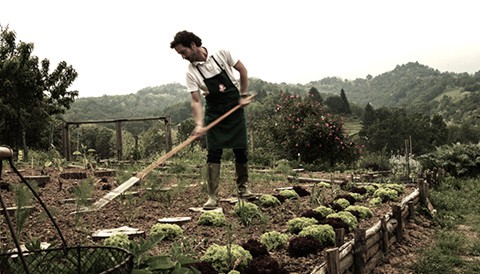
{"points": [[209, 69]]}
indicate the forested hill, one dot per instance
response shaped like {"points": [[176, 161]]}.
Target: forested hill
{"points": [[412, 85]]}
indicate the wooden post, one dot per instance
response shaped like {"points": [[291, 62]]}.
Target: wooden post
{"points": [[359, 251], [333, 261], [118, 125], [397, 214], [339, 237], [385, 238], [423, 193], [66, 142], [168, 133], [411, 209]]}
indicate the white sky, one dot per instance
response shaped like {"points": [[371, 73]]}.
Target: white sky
{"points": [[119, 47]]}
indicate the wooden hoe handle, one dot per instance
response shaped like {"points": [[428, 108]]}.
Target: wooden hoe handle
{"points": [[185, 143]]}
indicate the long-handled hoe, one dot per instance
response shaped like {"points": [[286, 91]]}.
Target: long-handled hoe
{"points": [[141, 175]]}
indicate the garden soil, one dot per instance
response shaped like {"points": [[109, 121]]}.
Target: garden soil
{"points": [[170, 195]]}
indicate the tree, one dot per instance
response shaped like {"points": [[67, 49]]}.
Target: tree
{"points": [[346, 105], [368, 116], [29, 94], [314, 95]]}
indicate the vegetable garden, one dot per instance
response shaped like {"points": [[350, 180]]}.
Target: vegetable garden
{"points": [[303, 222]]}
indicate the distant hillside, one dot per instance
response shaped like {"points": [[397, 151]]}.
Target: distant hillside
{"points": [[412, 85], [150, 101]]}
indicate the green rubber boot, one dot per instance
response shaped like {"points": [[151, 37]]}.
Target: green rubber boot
{"points": [[242, 180], [213, 178]]}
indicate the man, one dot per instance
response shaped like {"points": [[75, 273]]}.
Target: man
{"points": [[211, 74]]}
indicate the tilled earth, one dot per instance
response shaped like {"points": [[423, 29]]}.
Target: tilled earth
{"points": [[170, 195]]}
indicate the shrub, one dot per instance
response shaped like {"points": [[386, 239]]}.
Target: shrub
{"points": [[303, 127], [323, 233], [168, 231], [221, 256], [302, 246], [274, 240], [118, 240], [325, 211], [347, 217], [289, 194], [364, 212], [212, 218], [268, 201], [255, 248], [296, 225]]}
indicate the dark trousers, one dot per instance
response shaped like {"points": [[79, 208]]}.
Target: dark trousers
{"points": [[214, 156]]}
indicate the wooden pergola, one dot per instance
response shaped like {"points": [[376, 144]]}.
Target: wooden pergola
{"points": [[118, 126]]}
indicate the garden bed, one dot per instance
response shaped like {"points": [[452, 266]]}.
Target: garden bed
{"points": [[148, 204]]}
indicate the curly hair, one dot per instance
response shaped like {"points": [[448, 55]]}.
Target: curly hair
{"points": [[185, 38]]}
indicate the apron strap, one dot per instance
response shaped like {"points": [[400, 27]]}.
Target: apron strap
{"points": [[203, 76]]}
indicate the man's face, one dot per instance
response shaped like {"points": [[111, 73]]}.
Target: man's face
{"points": [[187, 53]]}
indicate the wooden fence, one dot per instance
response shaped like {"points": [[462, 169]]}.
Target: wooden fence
{"points": [[369, 246]]}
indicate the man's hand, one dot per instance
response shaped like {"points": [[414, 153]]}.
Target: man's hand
{"points": [[199, 131], [245, 100]]}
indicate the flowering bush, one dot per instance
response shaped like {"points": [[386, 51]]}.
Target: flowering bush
{"points": [[305, 131]]}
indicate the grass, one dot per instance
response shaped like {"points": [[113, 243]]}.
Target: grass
{"points": [[457, 241]]}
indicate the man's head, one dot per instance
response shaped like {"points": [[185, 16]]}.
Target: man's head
{"points": [[187, 45], [185, 38]]}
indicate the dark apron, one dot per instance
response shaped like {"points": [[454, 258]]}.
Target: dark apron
{"points": [[222, 96]]}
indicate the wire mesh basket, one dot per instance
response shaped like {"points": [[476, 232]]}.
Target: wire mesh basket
{"points": [[79, 260], [61, 260]]}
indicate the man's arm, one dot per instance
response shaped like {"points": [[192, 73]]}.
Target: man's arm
{"points": [[197, 111], [243, 77], [243, 83]]}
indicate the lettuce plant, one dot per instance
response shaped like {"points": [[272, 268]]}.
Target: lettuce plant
{"points": [[226, 258], [364, 212], [323, 233], [296, 225], [118, 240], [274, 240], [212, 218], [168, 231]]}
